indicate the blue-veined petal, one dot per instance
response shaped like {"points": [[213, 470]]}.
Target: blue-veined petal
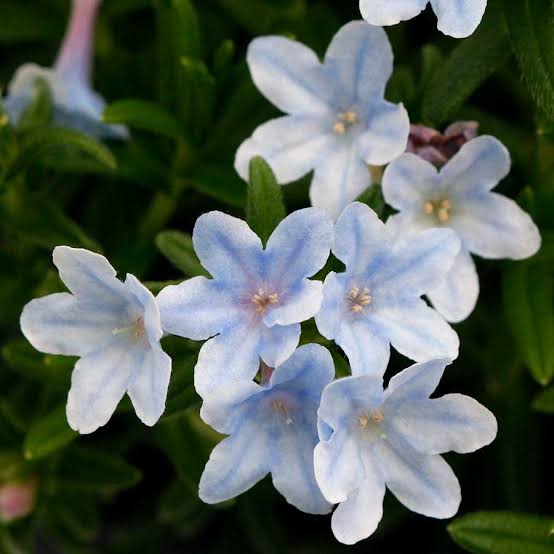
{"points": [[277, 343], [417, 382], [390, 12], [456, 296], [330, 316], [198, 308], [459, 18], [298, 304], [147, 307]]}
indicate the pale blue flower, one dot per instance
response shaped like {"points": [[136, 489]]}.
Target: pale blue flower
{"points": [[273, 429], [458, 196], [76, 104], [257, 298], [114, 327], [377, 300], [457, 18], [372, 439], [337, 120]]}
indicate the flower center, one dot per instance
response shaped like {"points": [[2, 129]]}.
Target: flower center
{"points": [[440, 209], [344, 121], [282, 410], [262, 299], [358, 299], [136, 329], [371, 422]]}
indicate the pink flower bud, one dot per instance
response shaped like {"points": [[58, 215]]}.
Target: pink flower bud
{"points": [[17, 500]]}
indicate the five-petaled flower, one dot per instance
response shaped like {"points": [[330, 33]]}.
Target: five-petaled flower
{"points": [[114, 327], [377, 300], [338, 121], [76, 104], [273, 429], [372, 439], [459, 197], [256, 299], [457, 18]]}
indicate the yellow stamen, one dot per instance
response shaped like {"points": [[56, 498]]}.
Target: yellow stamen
{"points": [[339, 128], [261, 300], [358, 299]]}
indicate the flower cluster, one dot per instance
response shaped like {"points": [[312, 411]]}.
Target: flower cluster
{"points": [[324, 441]]}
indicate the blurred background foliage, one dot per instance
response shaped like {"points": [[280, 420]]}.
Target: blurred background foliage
{"points": [[174, 73]]}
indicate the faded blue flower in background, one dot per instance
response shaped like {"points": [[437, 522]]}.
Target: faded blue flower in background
{"points": [[76, 104], [273, 429], [257, 298], [458, 196], [372, 439], [114, 327], [457, 18], [377, 300], [338, 121]]}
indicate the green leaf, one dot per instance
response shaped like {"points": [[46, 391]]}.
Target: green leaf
{"points": [[220, 181], [177, 247], [48, 434], [40, 110], [528, 302], [264, 207], [503, 533], [144, 115], [531, 29], [473, 61], [49, 143], [177, 504], [12, 465], [544, 401], [373, 197]]}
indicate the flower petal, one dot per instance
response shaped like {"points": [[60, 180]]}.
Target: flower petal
{"points": [[277, 343], [99, 382], [417, 264], [342, 398], [424, 484], [359, 515], [386, 137], [299, 246], [416, 382], [236, 464], [494, 226], [148, 387], [89, 276], [453, 422], [60, 324], [291, 145], [292, 469], [339, 467], [289, 75], [228, 249], [299, 304], [459, 19], [148, 307], [390, 12], [360, 236], [408, 181], [330, 316], [198, 308], [228, 358], [478, 167], [339, 178], [456, 297], [309, 370], [417, 331], [361, 58]]}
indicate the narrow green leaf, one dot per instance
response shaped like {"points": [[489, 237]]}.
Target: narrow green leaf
{"points": [[177, 247], [531, 28], [264, 207], [141, 114], [503, 533], [48, 434], [544, 401], [220, 181], [40, 110], [473, 61], [11, 465]]}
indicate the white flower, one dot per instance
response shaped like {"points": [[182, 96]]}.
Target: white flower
{"points": [[373, 438], [338, 121], [458, 196], [114, 327]]}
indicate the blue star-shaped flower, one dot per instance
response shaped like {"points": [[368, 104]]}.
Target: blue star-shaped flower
{"points": [[338, 121], [372, 438], [76, 104], [273, 429], [459, 197], [457, 18], [254, 304], [114, 327], [377, 300]]}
